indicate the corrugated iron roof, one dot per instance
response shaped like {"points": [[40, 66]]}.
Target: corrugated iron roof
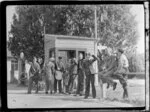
{"points": [[69, 37]]}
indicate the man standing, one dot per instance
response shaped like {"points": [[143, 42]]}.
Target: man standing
{"points": [[59, 71], [49, 78], [121, 71], [80, 85], [73, 74], [89, 72], [33, 75], [110, 64]]}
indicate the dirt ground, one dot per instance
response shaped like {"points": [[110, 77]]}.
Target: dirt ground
{"points": [[18, 98]]}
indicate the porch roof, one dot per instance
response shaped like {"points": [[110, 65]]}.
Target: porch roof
{"points": [[70, 37]]}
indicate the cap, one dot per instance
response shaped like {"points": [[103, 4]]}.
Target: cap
{"points": [[120, 50], [51, 59], [89, 54], [59, 57]]}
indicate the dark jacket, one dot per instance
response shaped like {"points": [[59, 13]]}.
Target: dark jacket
{"points": [[60, 65], [34, 70], [80, 64], [73, 67], [111, 63], [88, 65]]}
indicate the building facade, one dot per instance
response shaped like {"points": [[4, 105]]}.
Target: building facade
{"points": [[12, 67], [68, 47]]}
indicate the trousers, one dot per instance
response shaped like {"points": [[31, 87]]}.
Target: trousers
{"points": [[122, 77], [49, 84], [90, 79], [30, 84], [80, 85], [106, 77], [71, 82], [59, 85]]}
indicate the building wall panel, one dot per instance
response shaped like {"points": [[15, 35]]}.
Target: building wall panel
{"points": [[70, 43]]}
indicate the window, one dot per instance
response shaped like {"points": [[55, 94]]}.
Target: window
{"points": [[51, 53]]}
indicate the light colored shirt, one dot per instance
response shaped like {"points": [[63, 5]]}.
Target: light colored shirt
{"points": [[123, 62], [49, 68]]}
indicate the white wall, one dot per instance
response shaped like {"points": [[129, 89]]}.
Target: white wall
{"points": [[70, 43], [8, 70]]}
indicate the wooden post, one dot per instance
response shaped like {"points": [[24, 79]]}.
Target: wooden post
{"points": [[95, 46], [100, 84]]}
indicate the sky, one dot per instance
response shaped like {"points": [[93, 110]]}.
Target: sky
{"points": [[137, 10]]}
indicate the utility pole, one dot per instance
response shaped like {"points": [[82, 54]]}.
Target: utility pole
{"points": [[95, 23], [95, 47], [99, 83], [44, 42], [95, 44]]}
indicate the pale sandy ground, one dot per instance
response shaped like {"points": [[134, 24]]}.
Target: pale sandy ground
{"points": [[17, 98]]}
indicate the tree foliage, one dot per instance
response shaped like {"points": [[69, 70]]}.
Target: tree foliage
{"points": [[116, 26]]}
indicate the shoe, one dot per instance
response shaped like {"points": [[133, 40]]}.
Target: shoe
{"points": [[46, 92], [80, 94], [28, 92], [85, 97], [114, 86], [60, 92], [94, 97], [107, 86]]}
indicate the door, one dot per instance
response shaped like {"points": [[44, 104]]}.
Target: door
{"points": [[63, 54], [83, 52]]}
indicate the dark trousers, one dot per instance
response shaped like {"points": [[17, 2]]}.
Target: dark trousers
{"points": [[30, 84], [106, 77], [59, 85], [80, 85], [90, 79], [123, 81], [70, 83]]}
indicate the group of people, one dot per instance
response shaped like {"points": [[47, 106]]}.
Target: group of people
{"points": [[110, 67]]}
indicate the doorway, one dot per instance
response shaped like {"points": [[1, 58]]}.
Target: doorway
{"points": [[66, 55], [83, 53], [71, 54]]}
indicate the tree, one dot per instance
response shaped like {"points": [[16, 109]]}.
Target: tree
{"points": [[26, 30], [116, 26]]}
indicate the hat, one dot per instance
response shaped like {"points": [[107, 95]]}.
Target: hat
{"points": [[59, 57], [51, 59], [120, 50], [89, 53]]}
